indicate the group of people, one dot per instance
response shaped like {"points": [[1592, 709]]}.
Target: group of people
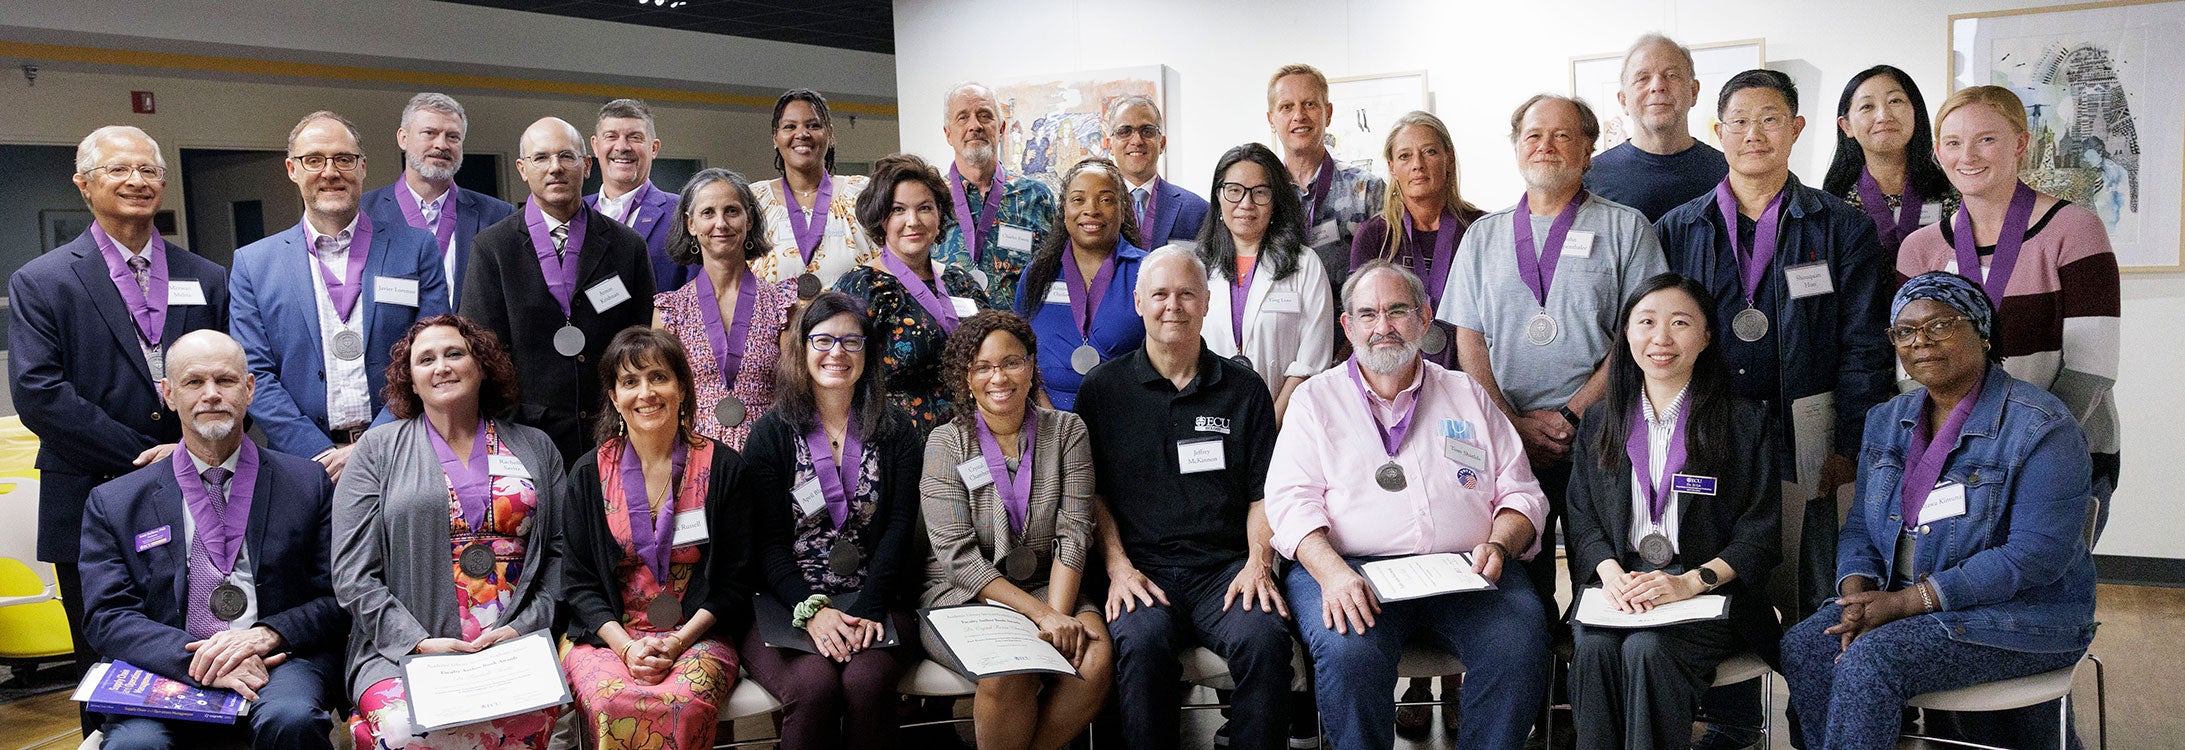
{"points": [[672, 427]]}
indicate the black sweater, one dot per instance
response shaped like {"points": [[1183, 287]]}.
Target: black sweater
{"points": [[591, 590], [771, 454]]}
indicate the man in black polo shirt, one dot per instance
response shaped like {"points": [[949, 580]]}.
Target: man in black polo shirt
{"points": [[1181, 440]]}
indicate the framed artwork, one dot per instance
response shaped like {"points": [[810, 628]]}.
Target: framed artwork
{"points": [[1597, 78], [1365, 107], [57, 226], [1055, 120], [2105, 106]]}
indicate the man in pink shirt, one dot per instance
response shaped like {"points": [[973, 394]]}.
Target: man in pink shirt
{"points": [[1389, 456]]}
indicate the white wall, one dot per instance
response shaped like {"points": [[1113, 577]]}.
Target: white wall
{"points": [[1483, 59]]}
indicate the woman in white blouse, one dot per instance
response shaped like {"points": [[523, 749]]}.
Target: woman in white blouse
{"points": [[809, 216], [1267, 301]]}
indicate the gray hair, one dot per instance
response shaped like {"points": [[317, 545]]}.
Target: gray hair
{"points": [[441, 103], [87, 152], [324, 115], [1187, 251], [970, 86], [1652, 38], [1124, 103], [1418, 288], [632, 109]]}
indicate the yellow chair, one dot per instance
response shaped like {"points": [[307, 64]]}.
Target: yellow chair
{"points": [[33, 628]]}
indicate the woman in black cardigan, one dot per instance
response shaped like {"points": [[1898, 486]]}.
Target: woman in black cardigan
{"points": [[1699, 515], [654, 547], [834, 544]]}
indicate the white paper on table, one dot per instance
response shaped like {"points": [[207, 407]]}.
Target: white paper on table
{"points": [[515, 676], [1594, 611], [990, 640], [1421, 576]]}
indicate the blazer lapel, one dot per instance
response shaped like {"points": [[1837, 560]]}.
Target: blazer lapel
{"points": [[1619, 496], [91, 270], [650, 215], [167, 509], [292, 266], [1164, 213], [261, 510], [597, 235], [375, 264], [178, 316]]}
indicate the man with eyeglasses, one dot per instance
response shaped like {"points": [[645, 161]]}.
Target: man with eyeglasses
{"points": [[1181, 438], [431, 137], [555, 282], [625, 141], [1135, 139], [1662, 166], [318, 307], [1338, 197], [88, 324], [1390, 456], [999, 218]]}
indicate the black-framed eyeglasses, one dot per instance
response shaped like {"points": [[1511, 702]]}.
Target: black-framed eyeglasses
{"points": [[318, 162], [1148, 131], [826, 343], [1935, 331], [1234, 192]]}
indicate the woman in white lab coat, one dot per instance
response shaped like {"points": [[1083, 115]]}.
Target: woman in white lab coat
{"points": [[1267, 294]]}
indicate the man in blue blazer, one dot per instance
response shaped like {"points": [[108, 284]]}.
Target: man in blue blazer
{"points": [[431, 137], [84, 336], [317, 307], [211, 567], [1166, 211], [624, 142]]}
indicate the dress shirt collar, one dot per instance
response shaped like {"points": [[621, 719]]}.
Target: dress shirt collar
{"points": [[234, 459], [341, 239], [1388, 409], [1668, 417], [1148, 185], [429, 205]]}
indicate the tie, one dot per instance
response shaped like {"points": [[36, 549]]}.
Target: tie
{"points": [[203, 577], [140, 268], [1138, 208], [561, 240]]}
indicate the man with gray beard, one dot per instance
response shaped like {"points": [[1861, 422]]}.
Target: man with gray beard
{"points": [[999, 217], [431, 137]]}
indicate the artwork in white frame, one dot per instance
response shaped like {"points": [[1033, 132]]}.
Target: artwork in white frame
{"points": [[1365, 107], [1055, 121], [1596, 79]]}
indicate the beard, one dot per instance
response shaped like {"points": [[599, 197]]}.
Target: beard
{"points": [[215, 432], [981, 154], [1385, 361], [1546, 176], [430, 172]]}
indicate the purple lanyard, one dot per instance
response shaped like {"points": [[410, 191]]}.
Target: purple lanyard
{"points": [[810, 228], [1535, 266], [1640, 448], [471, 478], [1436, 275], [1318, 195], [1016, 491], [650, 533], [151, 317], [1996, 280], [933, 298], [836, 482], [1751, 270], [1392, 436], [730, 360], [1929, 452], [974, 233], [1893, 228], [415, 215], [345, 289], [1145, 218], [1239, 291], [221, 532], [635, 201], [561, 278], [1083, 310]]}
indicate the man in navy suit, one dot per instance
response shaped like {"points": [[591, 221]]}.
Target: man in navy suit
{"points": [[426, 197], [87, 324], [317, 307], [1166, 211], [624, 141], [211, 567]]}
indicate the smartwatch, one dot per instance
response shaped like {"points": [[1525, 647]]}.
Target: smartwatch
{"points": [[1568, 415], [1707, 576]]}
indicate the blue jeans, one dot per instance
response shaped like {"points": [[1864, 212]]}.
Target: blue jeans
{"points": [[291, 712], [1256, 643], [1857, 703], [1498, 634]]}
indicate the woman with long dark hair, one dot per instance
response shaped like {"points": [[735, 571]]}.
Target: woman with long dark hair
{"points": [[1274, 316], [809, 216], [1077, 292], [1885, 155]]}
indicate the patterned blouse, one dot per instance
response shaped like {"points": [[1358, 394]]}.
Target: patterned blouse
{"points": [[912, 338], [639, 586], [506, 529], [1027, 204], [681, 315], [843, 247], [814, 543]]}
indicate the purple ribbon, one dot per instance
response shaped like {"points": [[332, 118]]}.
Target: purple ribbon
{"points": [[472, 478], [1239, 291], [561, 278], [1893, 228], [1016, 491], [730, 360], [222, 532], [1392, 436], [652, 534], [345, 289], [1318, 195], [1436, 273], [1082, 311], [1640, 449], [809, 229], [415, 215], [1754, 268], [933, 298], [836, 482], [1997, 278], [974, 234], [151, 317], [1535, 266], [1928, 452], [1145, 218]]}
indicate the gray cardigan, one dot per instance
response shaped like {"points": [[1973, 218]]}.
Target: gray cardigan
{"points": [[969, 531], [391, 567]]}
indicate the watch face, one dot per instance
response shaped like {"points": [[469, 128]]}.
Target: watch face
{"points": [[1707, 576]]}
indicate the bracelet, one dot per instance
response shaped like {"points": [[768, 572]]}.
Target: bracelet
{"points": [[1568, 415], [1926, 596], [808, 609]]}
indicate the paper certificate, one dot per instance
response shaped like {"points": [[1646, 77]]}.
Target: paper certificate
{"points": [[1595, 611], [512, 677], [993, 640], [1421, 576]]}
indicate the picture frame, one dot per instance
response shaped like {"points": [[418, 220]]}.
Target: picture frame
{"points": [[1596, 78], [57, 226], [1055, 121], [1365, 106]]}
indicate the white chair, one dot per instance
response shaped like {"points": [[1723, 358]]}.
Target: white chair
{"points": [[1745, 666], [748, 700], [931, 680], [2020, 693]]}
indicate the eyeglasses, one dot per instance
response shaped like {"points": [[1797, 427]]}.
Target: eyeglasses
{"points": [[1012, 365], [1770, 123], [1936, 331], [542, 161], [121, 172], [825, 343], [1234, 192], [1395, 314], [1148, 131], [317, 162]]}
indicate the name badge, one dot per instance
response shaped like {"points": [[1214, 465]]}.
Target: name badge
{"points": [[1692, 484], [154, 538], [1014, 238], [507, 466], [1809, 280], [1930, 213], [1203, 454], [964, 306], [1947, 501], [1280, 302], [606, 294], [809, 498], [1058, 293], [690, 527], [1322, 234], [394, 291], [1465, 453], [1578, 244], [185, 292], [975, 473]]}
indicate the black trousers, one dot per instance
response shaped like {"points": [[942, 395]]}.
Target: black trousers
{"points": [[1637, 689]]}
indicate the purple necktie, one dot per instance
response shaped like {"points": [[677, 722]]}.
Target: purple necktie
{"points": [[203, 577]]}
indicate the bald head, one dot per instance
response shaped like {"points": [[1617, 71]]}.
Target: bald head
{"points": [[210, 388], [550, 156]]}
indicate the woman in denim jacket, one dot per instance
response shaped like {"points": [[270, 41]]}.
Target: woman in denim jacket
{"points": [[1987, 575]]}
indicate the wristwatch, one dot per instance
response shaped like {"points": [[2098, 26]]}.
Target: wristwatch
{"points": [[1708, 578]]}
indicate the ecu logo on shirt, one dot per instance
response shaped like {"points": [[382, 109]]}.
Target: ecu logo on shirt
{"points": [[1212, 424]]}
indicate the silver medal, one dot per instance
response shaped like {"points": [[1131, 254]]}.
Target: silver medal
{"points": [[348, 345], [227, 602], [1655, 550], [477, 560], [807, 286], [1434, 340], [729, 411], [1390, 476], [1084, 358], [666, 611], [1750, 324], [1020, 564], [569, 341], [845, 559], [1541, 330]]}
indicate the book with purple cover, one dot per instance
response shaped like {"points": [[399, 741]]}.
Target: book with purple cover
{"points": [[118, 688]]}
